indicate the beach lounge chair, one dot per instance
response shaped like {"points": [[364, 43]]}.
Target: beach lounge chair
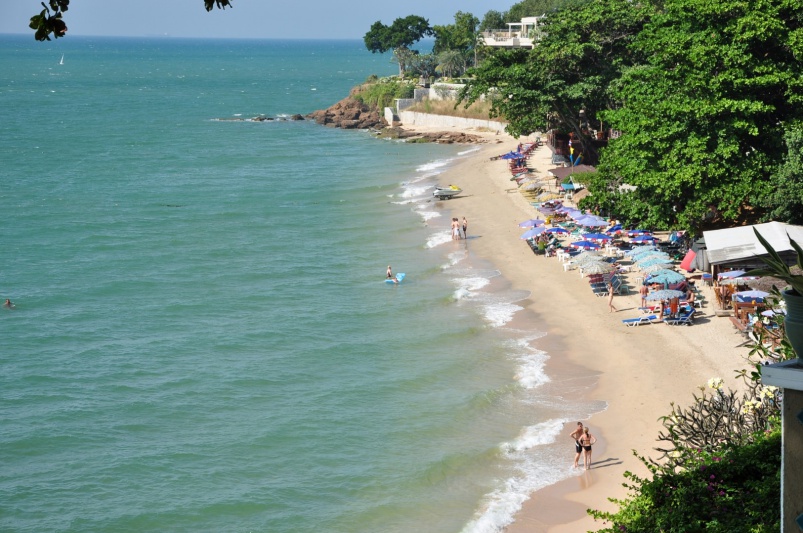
{"points": [[683, 320], [633, 322]]}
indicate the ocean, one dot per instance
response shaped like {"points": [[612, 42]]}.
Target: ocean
{"points": [[203, 339]]}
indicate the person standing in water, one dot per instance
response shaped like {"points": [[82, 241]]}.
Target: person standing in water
{"points": [[465, 227], [390, 273]]}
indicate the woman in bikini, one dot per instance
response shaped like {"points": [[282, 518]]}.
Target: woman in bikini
{"points": [[586, 441]]}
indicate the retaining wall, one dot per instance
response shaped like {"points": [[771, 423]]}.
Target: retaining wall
{"points": [[412, 118]]}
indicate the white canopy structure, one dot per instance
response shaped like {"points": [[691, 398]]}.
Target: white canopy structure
{"points": [[740, 246]]}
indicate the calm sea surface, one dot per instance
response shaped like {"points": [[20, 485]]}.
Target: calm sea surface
{"points": [[202, 338]]}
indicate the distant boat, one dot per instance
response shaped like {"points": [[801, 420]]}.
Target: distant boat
{"points": [[62, 60]]}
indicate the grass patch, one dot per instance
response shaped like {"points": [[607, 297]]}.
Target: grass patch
{"points": [[477, 110]]}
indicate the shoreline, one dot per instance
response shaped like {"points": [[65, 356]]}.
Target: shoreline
{"points": [[637, 372]]}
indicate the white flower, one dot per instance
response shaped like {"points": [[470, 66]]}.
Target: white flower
{"points": [[715, 383], [674, 454], [768, 392]]}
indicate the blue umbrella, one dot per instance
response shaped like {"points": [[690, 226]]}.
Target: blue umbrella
{"points": [[585, 245], [535, 232], [644, 238], [591, 221], [667, 276], [557, 230], [641, 250], [595, 237], [533, 222]]}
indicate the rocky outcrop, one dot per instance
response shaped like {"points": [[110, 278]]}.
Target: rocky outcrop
{"points": [[349, 113], [440, 137]]}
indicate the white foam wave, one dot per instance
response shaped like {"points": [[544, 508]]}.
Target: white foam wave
{"points": [[410, 191], [432, 166], [469, 151], [499, 314], [429, 215], [456, 257], [501, 505], [441, 237]]}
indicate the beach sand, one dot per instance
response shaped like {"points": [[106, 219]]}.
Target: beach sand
{"points": [[639, 370]]}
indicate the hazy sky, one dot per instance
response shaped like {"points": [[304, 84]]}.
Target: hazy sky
{"points": [[265, 19]]}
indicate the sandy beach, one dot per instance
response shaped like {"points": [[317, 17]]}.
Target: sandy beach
{"points": [[638, 371]]}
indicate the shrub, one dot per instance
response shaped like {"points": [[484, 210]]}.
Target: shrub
{"points": [[383, 93], [735, 489]]}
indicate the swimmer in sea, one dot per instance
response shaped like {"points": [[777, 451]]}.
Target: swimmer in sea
{"points": [[8, 304]]}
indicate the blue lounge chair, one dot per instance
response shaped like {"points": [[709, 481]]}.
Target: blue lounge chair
{"points": [[633, 322], [683, 320]]}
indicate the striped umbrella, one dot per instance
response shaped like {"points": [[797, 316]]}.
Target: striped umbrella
{"points": [[598, 267], [655, 268], [638, 232], [640, 250], [584, 245], [668, 276]]}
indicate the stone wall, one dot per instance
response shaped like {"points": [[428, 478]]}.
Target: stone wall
{"points": [[412, 118]]}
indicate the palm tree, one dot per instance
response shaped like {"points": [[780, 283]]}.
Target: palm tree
{"points": [[451, 62]]}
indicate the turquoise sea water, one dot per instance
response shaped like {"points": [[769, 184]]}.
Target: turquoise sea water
{"points": [[202, 338]]}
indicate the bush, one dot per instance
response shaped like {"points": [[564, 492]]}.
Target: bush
{"points": [[736, 489], [384, 91]]}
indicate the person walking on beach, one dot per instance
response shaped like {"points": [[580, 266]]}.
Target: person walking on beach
{"points": [[610, 298], [586, 441], [578, 449], [644, 291], [465, 227]]}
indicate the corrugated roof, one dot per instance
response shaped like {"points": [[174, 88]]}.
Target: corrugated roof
{"points": [[734, 244]]}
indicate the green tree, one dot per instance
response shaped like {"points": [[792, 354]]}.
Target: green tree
{"points": [[584, 49], [399, 37], [47, 23], [493, 20], [460, 36], [784, 200], [703, 115], [533, 8], [451, 63]]}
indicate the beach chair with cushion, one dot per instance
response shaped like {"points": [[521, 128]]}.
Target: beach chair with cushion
{"points": [[683, 320], [646, 319]]}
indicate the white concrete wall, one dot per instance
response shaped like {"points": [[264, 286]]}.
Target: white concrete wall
{"points": [[412, 118]]}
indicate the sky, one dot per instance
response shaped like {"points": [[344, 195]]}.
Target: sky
{"points": [[252, 19]]}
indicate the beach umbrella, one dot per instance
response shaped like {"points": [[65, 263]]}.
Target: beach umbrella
{"points": [[641, 259], [730, 274], [665, 277], [664, 295], [535, 232], [591, 257], [598, 267], [736, 281], [655, 268], [638, 232], [532, 223], [558, 230], [751, 296], [651, 260], [641, 250], [584, 245], [597, 237], [591, 221], [617, 229], [644, 239]]}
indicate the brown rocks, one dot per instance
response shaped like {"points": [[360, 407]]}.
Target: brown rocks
{"points": [[348, 113]]}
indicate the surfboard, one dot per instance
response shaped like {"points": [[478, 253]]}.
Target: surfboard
{"points": [[399, 278]]}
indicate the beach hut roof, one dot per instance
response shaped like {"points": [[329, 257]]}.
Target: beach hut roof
{"points": [[740, 245]]}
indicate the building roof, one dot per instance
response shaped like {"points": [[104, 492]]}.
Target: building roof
{"points": [[740, 243]]}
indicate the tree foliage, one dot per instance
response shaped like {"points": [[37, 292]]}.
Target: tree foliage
{"points": [[460, 36], [48, 23], [399, 37], [492, 20], [737, 488], [585, 48], [784, 200], [704, 110]]}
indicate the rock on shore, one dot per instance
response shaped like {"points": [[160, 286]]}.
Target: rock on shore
{"points": [[350, 113]]}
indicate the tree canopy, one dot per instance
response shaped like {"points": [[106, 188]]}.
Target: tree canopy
{"points": [[47, 23], [399, 37], [704, 95]]}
